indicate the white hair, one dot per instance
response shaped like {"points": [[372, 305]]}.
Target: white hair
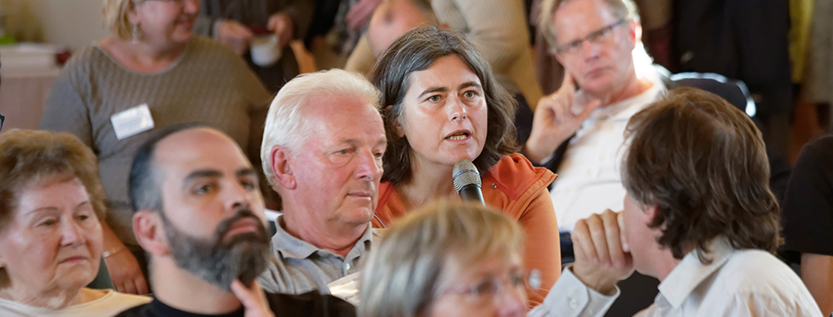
{"points": [[286, 122]]}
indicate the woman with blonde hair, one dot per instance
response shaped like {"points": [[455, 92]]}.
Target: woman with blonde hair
{"points": [[446, 259], [150, 72]]}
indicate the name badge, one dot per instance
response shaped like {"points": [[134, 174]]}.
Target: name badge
{"points": [[346, 288], [132, 121]]}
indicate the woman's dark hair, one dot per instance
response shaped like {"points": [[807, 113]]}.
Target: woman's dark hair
{"points": [[417, 50], [703, 163]]}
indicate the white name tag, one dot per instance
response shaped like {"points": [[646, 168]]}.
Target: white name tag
{"points": [[346, 288], [132, 121]]}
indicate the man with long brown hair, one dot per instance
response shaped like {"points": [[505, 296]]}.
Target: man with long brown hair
{"points": [[698, 215]]}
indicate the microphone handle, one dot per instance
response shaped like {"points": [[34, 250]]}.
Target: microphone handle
{"points": [[472, 193]]}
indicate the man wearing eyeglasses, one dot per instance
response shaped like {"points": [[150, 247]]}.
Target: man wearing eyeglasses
{"points": [[699, 216], [577, 131]]}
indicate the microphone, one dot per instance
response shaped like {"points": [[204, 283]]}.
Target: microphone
{"points": [[467, 181]]}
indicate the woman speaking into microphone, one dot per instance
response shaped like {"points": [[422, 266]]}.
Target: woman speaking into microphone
{"points": [[441, 105]]}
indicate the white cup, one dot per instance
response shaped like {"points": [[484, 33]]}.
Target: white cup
{"points": [[265, 50]]}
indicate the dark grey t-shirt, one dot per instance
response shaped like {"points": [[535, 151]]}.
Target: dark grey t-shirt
{"points": [[808, 206]]}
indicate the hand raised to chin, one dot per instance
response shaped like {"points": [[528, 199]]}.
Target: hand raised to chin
{"points": [[554, 121], [600, 250]]}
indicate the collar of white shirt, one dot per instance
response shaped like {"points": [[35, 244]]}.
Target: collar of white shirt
{"points": [[690, 272]]}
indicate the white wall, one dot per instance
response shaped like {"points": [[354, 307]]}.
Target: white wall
{"points": [[74, 23]]}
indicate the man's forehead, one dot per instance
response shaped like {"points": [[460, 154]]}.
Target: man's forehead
{"points": [[341, 109], [199, 149], [190, 140], [596, 6], [337, 101], [345, 121], [568, 12]]}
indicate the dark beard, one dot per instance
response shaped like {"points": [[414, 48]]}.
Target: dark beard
{"points": [[244, 256]]}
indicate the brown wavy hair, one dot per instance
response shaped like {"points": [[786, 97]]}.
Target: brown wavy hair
{"points": [[416, 50], [27, 156], [703, 163]]}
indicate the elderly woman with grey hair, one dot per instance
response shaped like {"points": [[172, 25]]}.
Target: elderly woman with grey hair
{"points": [[452, 260], [448, 260], [51, 205], [150, 72]]}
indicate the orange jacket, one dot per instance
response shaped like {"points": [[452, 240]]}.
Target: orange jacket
{"points": [[519, 189]]}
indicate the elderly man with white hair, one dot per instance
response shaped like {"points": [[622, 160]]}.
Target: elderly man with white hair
{"points": [[322, 152]]}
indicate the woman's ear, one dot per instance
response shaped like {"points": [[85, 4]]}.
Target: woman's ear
{"points": [[396, 125], [132, 16]]}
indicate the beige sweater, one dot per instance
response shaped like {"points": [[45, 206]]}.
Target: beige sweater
{"points": [[208, 84]]}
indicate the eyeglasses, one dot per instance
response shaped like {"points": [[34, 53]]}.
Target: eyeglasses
{"points": [[486, 289], [2, 119], [594, 37]]}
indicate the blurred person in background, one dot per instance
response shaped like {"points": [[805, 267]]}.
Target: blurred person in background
{"points": [[497, 28], [449, 260], [744, 40], [336, 28], [654, 16], [51, 209], [394, 18], [578, 130], [818, 60], [149, 73], [236, 23], [808, 218]]}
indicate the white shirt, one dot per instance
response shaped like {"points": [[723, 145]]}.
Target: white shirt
{"points": [[735, 283], [588, 177], [109, 304]]}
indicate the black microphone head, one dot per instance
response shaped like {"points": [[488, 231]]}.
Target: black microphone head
{"points": [[464, 174]]}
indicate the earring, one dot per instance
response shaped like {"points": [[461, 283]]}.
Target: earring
{"points": [[135, 33]]}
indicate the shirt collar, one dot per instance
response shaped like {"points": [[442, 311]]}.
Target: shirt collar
{"points": [[690, 272], [288, 246], [625, 109]]}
